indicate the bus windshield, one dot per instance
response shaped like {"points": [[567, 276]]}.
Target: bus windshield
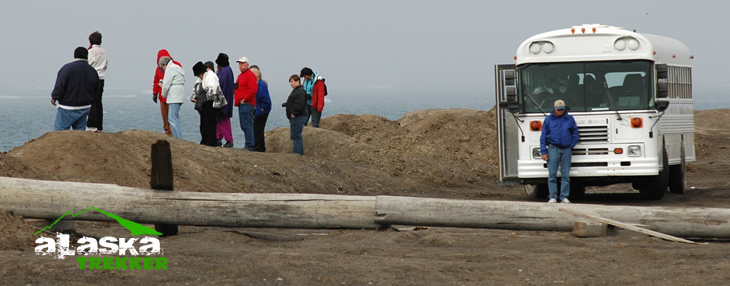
{"points": [[587, 86]]}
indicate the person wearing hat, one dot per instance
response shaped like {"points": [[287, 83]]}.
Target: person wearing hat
{"points": [[245, 98], [225, 78], [76, 88], [559, 136], [206, 95]]}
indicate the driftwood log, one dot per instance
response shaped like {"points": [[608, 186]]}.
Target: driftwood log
{"points": [[682, 222], [50, 199]]}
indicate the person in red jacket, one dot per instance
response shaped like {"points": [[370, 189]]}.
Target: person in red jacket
{"points": [[245, 98], [157, 90], [313, 84]]}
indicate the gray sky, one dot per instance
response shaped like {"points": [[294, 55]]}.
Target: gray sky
{"points": [[437, 46]]}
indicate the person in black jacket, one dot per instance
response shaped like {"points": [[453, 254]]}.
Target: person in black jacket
{"points": [[76, 88], [296, 112]]}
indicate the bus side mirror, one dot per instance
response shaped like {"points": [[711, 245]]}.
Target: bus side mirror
{"points": [[662, 72], [513, 107], [510, 87], [661, 105]]}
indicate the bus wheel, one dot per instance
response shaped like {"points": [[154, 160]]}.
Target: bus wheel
{"points": [[658, 184], [677, 183], [540, 191]]}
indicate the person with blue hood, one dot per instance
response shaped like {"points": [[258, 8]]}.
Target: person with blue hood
{"points": [[559, 136]]}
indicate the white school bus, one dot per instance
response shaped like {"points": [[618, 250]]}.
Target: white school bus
{"points": [[630, 94]]}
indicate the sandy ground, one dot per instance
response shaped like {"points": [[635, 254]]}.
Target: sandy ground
{"points": [[431, 153]]}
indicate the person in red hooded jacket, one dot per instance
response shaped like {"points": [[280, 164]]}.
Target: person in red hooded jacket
{"points": [[157, 90], [313, 84]]}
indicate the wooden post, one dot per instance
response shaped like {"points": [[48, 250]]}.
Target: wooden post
{"points": [[589, 229], [161, 177]]}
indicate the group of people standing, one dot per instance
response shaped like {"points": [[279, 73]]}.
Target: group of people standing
{"points": [[79, 86], [216, 93]]}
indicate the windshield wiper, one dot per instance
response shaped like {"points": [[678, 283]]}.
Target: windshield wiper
{"points": [[536, 104], [610, 100]]}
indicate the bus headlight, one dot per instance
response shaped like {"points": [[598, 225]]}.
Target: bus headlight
{"points": [[548, 47], [634, 151], [541, 46], [633, 44], [626, 42], [536, 153], [619, 45], [535, 48]]}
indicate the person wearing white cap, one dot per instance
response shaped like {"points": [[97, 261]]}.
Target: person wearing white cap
{"points": [[246, 87], [559, 136]]}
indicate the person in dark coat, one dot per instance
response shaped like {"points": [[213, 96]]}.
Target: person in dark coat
{"points": [[263, 107], [76, 88], [296, 112]]}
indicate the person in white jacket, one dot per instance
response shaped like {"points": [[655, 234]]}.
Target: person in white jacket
{"points": [[208, 100], [173, 89]]}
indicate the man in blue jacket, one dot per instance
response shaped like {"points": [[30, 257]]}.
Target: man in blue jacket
{"points": [[76, 88], [559, 136]]}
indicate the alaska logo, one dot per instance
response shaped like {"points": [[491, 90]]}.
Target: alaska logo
{"points": [[90, 249], [133, 227]]}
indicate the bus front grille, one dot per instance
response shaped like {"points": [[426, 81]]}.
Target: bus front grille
{"points": [[593, 134]]}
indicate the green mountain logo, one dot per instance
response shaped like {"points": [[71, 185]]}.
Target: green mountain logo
{"points": [[133, 227]]}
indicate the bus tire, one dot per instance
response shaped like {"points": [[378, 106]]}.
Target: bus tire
{"points": [[677, 182], [657, 184]]}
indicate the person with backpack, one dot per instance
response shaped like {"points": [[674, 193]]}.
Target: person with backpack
{"points": [[313, 84]]}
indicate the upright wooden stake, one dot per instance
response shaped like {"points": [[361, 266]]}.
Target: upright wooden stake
{"points": [[161, 178]]}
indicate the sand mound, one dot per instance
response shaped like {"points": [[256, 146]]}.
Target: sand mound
{"points": [[349, 155]]}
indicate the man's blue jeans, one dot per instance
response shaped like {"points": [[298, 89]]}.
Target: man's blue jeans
{"points": [[174, 118], [75, 119], [296, 126], [559, 157], [245, 117]]}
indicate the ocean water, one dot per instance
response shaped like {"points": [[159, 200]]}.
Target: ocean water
{"points": [[28, 114]]}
